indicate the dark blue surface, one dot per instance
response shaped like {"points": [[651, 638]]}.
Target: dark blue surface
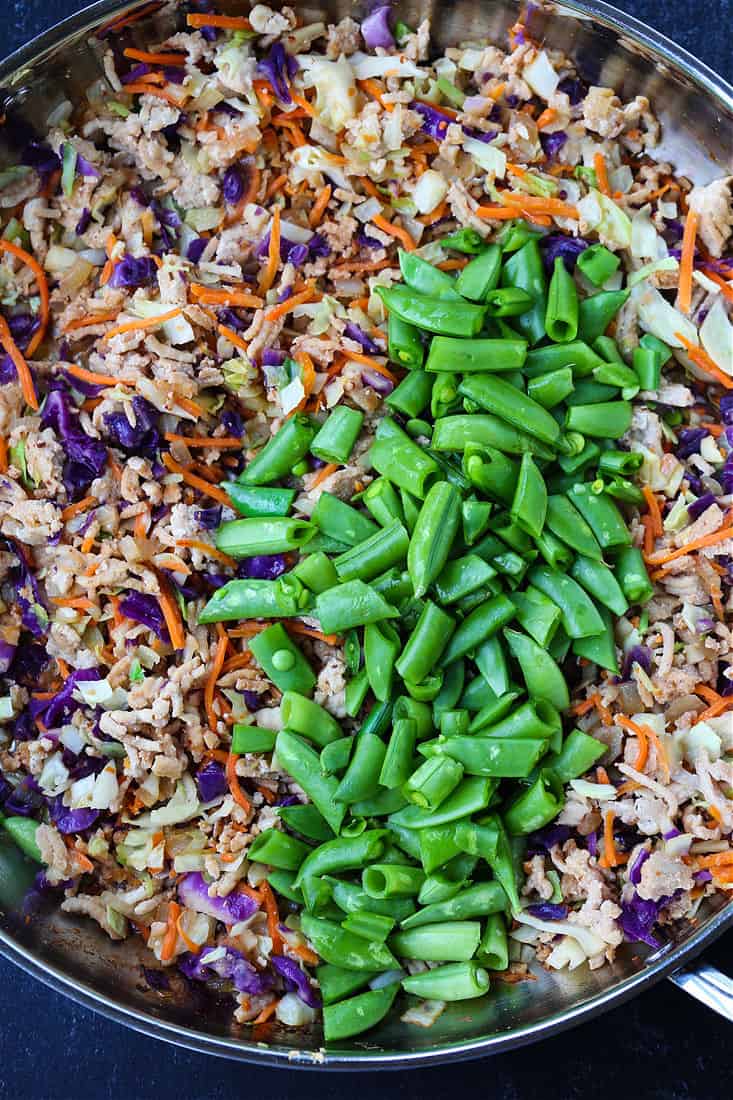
{"points": [[662, 1046]]}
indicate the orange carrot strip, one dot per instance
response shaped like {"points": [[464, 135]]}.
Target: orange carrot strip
{"points": [[601, 170], [90, 319], [210, 296], [24, 373], [654, 511], [644, 733], [155, 58], [726, 288], [219, 555], [295, 627], [374, 90], [233, 780], [234, 338], [3, 455], [319, 206], [453, 265], [171, 932], [611, 857], [43, 293], [724, 703], [707, 693], [290, 304], [584, 705], [395, 231], [143, 323], [273, 254], [78, 603], [148, 89], [195, 482], [227, 22], [80, 506], [91, 376], [240, 660], [702, 360], [266, 1013], [697, 544], [687, 260], [367, 360], [223, 443], [210, 687], [192, 946], [547, 117], [324, 473], [717, 859], [435, 215], [171, 614], [273, 916], [496, 213]]}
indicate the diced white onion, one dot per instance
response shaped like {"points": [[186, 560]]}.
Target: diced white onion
{"points": [[599, 791], [365, 211], [430, 191], [541, 77], [487, 156]]}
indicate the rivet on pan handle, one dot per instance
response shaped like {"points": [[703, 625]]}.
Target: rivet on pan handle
{"points": [[710, 986]]}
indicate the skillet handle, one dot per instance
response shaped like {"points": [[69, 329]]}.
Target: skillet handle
{"points": [[709, 985]]}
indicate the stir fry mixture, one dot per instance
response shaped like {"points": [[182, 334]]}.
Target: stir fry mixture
{"points": [[365, 502]]}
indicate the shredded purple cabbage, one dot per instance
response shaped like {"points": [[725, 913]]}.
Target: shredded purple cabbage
{"points": [[67, 820], [28, 664], [278, 68], [251, 700], [211, 781], [574, 88], [546, 910], [86, 458], [375, 29], [145, 609], [232, 423], [233, 185], [640, 655], [702, 876], [232, 967], [143, 69], [156, 979], [174, 74], [638, 918], [40, 155], [689, 440], [635, 869], [295, 980], [377, 381], [696, 509], [142, 437], [139, 196], [209, 518], [196, 249], [264, 567], [60, 707], [544, 839], [569, 248], [354, 332], [26, 799], [435, 123], [133, 271], [553, 143], [591, 843], [7, 653], [83, 224], [193, 892]]}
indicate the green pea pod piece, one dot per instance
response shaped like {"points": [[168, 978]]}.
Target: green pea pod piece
{"points": [[537, 806], [402, 461], [529, 505], [580, 616], [602, 514], [461, 981], [499, 757], [434, 534], [444, 941], [471, 796], [450, 354], [464, 240], [600, 648], [361, 779], [412, 396], [488, 707], [632, 575], [339, 520], [345, 949], [282, 660], [525, 269], [382, 500], [493, 951], [480, 275], [488, 839], [382, 804], [500, 398], [551, 388], [536, 613], [426, 643], [542, 676], [351, 604], [287, 447], [566, 523], [424, 278], [476, 515], [482, 623], [476, 901], [535, 718], [456, 433], [357, 1014], [316, 571], [302, 762], [442, 316], [579, 752], [342, 854], [245, 538], [404, 345], [251, 500], [597, 579], [491, 471], [23, 831], [381, 646], [337, 983], [306, 820], [596, 313], [561, 316]]}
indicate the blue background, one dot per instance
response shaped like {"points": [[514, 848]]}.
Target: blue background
{"points": [[661, 1046]]}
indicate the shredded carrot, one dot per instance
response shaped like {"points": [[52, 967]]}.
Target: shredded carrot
{"points": [[717, 859], [724, 703], [726, 287], [171, 932], [373, 89], [233, 780], [707, 693], [295, 627], [240, 660], [172, 563], [72, 510], [648, 525], [273, 253], [191, 407], [324, 472], [127, 20], [645, 734], [95, 379], [309, 957], [43, 293], [234, 338], [211, 551], [90, 319], [687, 260], [611, 857], [247, 630], [227, 22], [24, 372], [453, 265], [266, 1013], [143, 323], [148, 89], [654, 511], [627, 787], [291, 303], [319, 206], [395, 231], [496, 213], [533, 204], [547, 117], [208, 296], [601, 170], [273, 916], [435, 215], [78, 603], [4, 460], [367, 360], [697, 544], [584, 705], [195, 482], [222, 443], [155, 58], [211, 679], [702, 360], [171, 614]]}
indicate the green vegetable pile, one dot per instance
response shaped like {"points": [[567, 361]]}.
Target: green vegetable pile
{"points": [[488, 552]]}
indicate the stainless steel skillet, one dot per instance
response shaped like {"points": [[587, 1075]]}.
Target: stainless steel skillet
{"points": [[73, 956]]}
